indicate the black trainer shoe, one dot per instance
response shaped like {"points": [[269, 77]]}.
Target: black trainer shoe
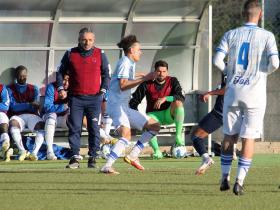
{"points": [[91, 162], [73, 163], [238, 189], [224, 185]]}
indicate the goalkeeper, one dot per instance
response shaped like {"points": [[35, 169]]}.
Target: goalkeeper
{"points": [[164, 103]]}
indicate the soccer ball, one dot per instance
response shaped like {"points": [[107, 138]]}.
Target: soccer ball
{"points": [[106, 149], [178, 152]]}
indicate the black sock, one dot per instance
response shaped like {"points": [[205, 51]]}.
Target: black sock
{"points": [[199, 146]]}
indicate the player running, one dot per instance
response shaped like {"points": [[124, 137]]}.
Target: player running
{"points": [[252, 54]]}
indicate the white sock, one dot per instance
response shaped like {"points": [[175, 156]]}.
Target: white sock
{"points": [[243, 168], [49, 133], [16, 135], [205, 156], [140, 144], [39, 139], [116, 151], [107, 125], [5, 138], [102, 134]]}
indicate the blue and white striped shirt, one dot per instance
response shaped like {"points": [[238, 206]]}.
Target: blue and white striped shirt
{"points": [[248, 49]]}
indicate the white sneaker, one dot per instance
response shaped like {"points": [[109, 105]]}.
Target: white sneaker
{"points": [[206, 164], [33, 157], [22, 155], [109, 170], [51, 156], [8, 155]]}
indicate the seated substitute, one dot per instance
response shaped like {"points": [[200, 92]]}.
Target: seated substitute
{"points": [[24, 112], [164, 103], [4, 122], [55, 113]]}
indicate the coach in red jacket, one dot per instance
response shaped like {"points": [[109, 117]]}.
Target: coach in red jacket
{"points": [[88, 69]]}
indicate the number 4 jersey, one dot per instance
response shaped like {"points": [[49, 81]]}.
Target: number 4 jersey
{"points": [[248, 49]]}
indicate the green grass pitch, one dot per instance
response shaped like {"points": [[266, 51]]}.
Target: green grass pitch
{"points": [[165, 184]]}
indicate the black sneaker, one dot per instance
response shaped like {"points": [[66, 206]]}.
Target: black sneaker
{"points": [[91, 162], [238, 189], [73, 163], [224, 185]]}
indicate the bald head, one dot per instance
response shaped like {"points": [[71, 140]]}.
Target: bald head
{"points": [[252, 11]]}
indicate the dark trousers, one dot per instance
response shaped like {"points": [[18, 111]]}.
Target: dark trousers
{"points": [[90, 106]]}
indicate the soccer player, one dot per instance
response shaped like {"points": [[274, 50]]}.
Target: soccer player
{"points": [[164, 103], [56, 112], [4, 122], [123, 79], [24, 112], [252, 55], [89, 78], [209, 123]]}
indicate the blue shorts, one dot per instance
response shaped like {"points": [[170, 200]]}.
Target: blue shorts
{"points": [[211, 122]]}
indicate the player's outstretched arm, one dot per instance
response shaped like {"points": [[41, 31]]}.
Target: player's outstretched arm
{"points": [[204, 97], [126, 84]]}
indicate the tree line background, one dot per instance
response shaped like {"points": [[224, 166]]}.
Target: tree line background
{"points": [[227, 14]]}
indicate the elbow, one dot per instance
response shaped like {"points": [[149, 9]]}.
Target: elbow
{"points": [[122, 87], [275, 65], [219, 64]]}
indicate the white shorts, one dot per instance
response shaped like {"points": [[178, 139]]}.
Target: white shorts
{"points": [[27, 121], [122, 115], [247, 122], [59, 120], [4, 118]]}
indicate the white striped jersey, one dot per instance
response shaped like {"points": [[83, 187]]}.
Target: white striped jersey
{"points": [[248, 49], [125, 69]]}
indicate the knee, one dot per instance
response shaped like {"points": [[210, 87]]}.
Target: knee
{"points": [[125, 132], [51, 116], [4, 128], [177, 103], [50, 121], [152, 125], [200, 133], [227, 147], [14, 123], [39, 126]]}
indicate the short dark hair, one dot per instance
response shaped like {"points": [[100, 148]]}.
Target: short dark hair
{"points": [[66, 73], [249, 9], [127, 42], [18, 69], [161, 63], [85, 30]]}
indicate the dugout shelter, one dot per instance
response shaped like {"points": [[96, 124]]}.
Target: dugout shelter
{"points": [[36, 33]]}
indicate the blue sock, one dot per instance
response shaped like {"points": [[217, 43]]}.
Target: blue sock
{"points": [[198, 144], [226, 161]]}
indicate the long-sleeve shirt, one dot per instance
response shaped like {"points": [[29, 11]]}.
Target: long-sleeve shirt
{"points": [[141, 91], [5, 100], [65, 66], [25, 106], [49, 103]]}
